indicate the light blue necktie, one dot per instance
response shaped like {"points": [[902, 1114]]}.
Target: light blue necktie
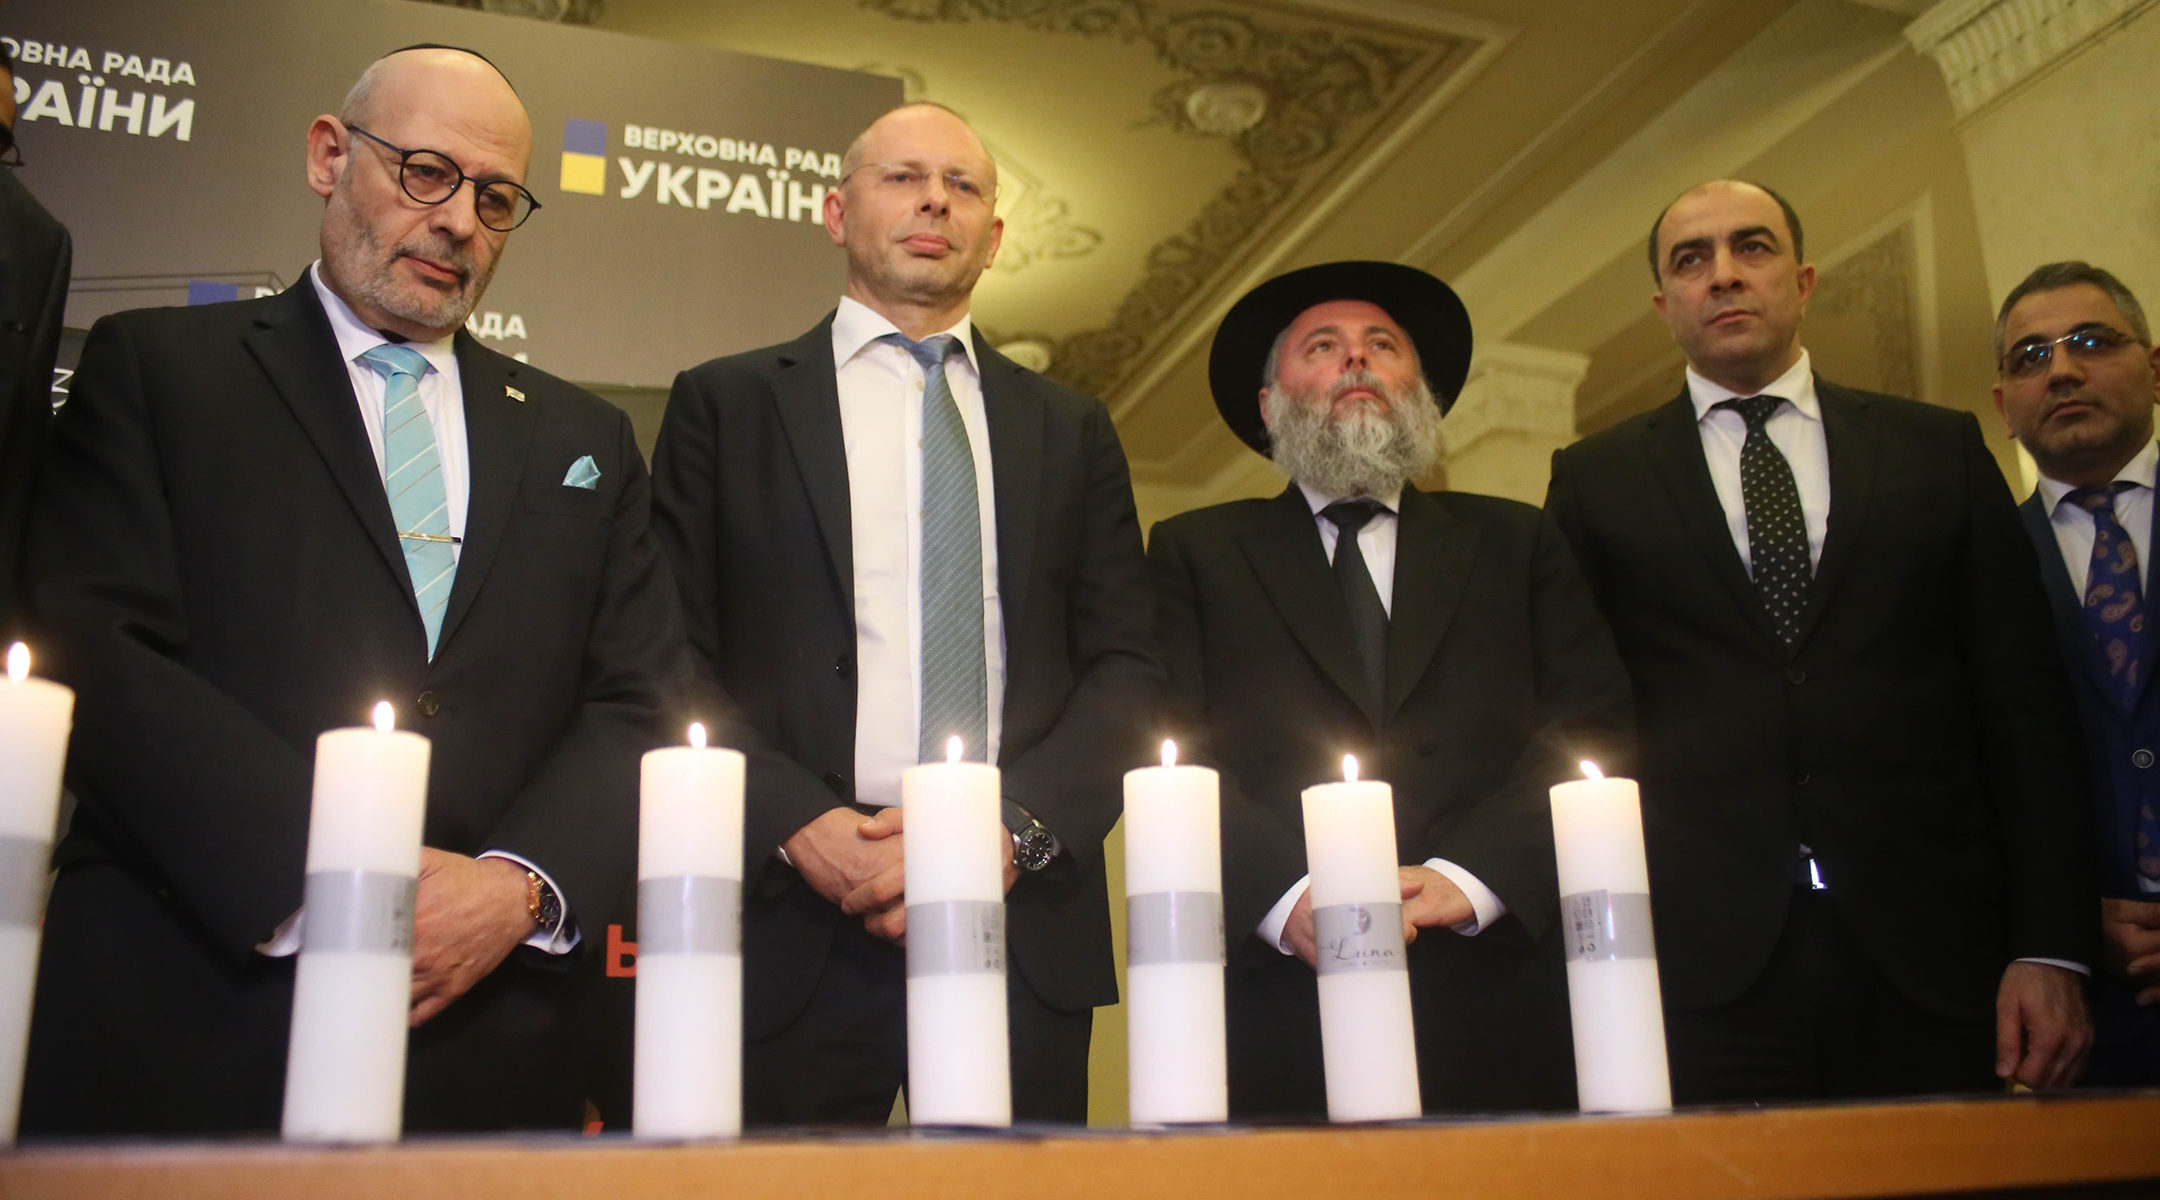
{"points": [[412, 474], [955, 688]]}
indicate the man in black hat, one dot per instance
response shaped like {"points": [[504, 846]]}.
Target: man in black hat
{"points": [[1445, 639]]}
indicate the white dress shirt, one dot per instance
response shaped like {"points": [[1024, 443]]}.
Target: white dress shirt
{"points": [[442, 392], [881, 391], [1795, 428], [2133, 511], [1376, 541]]}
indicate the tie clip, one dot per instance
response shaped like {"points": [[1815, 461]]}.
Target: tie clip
{"points": [[513, 393], [444, 538]]}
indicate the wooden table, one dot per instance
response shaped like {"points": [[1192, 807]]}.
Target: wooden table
{"points": [[1944, 1146]]}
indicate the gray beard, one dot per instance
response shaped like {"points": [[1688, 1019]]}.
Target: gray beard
{"points": [[1361, 452]]}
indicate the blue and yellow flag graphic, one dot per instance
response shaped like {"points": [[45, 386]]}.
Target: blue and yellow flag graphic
{"points": [[584, 159]]}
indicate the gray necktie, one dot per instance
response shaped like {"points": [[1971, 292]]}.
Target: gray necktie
{"points": [[955, 687]]}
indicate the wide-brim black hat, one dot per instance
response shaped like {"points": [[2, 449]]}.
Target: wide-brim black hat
{"points": [[1427, 309]]}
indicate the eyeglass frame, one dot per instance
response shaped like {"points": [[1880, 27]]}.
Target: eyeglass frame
{"points": [[989, 192], [2101, 339], [405, 158]]}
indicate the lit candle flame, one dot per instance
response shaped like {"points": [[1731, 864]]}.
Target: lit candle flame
{"points": [[384, 720], [952, 749], [1590, 771], [1169, 753], [1349, 768], [697, 735], [18, 662]]}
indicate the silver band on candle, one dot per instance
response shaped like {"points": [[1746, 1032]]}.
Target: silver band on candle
{"points": [[956, 937], [1359, 937], [364, 912], [689, 914], [1602, 926], [24, 865], [1174, 927]]}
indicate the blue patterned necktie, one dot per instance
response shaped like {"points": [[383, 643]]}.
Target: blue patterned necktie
{"points": [[2115, 612], [2114, 596], [412, 474], [1776, 527], [955, 677]]}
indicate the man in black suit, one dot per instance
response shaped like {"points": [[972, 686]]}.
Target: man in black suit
{"points": [[1859, 769], [885, 533], [2076, 387], [34, 257], [1451, 646], [222, 574]]}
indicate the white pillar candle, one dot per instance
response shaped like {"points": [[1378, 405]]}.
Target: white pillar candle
{"points": [[345, 1071], [1175, 1046], [35, 716], [1368, 1043], [1612, 974], [688, 1059], [959, 1064]]}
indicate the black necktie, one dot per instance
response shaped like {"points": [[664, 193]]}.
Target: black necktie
{"points": [[1368, 617], [1776, 529]]}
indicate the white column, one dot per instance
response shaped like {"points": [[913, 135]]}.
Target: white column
{"points": [[1517, 407]]}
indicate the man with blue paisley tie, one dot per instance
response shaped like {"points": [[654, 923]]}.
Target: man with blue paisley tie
{"points": [[2076, 369]]}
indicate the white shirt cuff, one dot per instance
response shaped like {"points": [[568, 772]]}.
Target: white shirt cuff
{"points": [[565, 936], [1485, 907], [1271, 925], [2064, 963]]}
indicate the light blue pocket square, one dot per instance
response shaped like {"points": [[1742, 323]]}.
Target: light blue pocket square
{"points": [[584, 473]]}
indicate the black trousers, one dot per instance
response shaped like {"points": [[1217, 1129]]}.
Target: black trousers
{"points": [[1824, 1024], [845, 1058]]}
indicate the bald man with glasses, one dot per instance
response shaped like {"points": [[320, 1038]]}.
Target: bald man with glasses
{"points": [[260, 519]]}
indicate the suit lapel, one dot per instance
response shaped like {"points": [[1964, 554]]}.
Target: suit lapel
{"points": [[1849, 434], [1286, 556], [1015, 429], [1434, 552], [295, 347], [807, 395], [1675, 443], [498, 439]]}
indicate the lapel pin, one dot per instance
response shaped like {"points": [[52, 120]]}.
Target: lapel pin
{"points": [[513, 393]]}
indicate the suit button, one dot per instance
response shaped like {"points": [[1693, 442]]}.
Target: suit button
{"points": [[1800, 778], [838, 783], [2141, 759], [844, 664], [1796, 677], [427, 704]]}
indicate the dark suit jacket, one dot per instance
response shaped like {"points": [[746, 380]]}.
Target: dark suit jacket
{"points": [[1501, 677], [34, 258], [218, 577], [1918, 736], [751, 501], [2120, 745]]}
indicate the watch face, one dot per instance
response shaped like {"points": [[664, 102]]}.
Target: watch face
{"points": [[1034, 848]]}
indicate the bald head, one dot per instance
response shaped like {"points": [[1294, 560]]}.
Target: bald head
{"points": [[907, 124], [1792, 219], [459, 82]]}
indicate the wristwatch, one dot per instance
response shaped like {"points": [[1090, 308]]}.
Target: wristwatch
{"points": [[1033, 843], [541, 902]]}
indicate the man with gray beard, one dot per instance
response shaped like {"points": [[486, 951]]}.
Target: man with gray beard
{"points": [[261, 518], [1445, 639]]}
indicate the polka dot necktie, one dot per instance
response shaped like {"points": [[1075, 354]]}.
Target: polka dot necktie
{"points": [[1368, 617], [1776, 529], [2115, 612]]}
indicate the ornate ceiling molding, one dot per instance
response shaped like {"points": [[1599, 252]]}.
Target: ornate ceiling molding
{"points": [[566, 12], [1987, 47], [1320, 88]]}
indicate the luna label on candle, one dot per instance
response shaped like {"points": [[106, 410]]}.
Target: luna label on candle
{"points": [[1174, 927], [366, 912], [22, 880], [689, 914], [956, 937], [1356, 938], [1602, 926]]}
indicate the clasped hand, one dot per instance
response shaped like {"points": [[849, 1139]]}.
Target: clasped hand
{"points": [[857, 863], [1428, 899], [469, 915]]}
